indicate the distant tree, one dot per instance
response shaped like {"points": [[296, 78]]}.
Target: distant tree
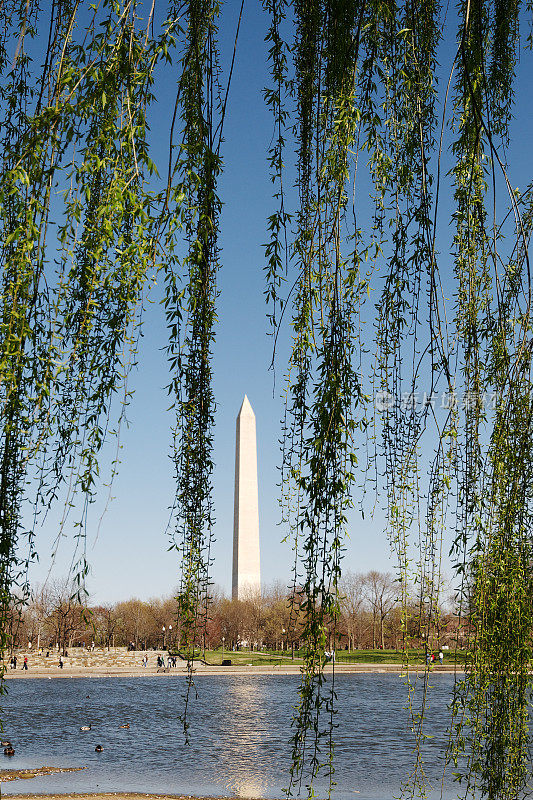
{"points": [[136, 622], [381, 593], [66, 614], [352, 600], [106, 620]]}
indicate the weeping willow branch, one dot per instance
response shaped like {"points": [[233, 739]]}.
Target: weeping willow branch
{"points": [[364, 80], [191, 317], [75, 139]]}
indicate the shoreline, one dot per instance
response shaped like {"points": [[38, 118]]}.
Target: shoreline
{"points": [[201, 670], [109, 796]]}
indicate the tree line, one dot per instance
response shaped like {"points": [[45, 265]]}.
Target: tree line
{"points": [[370, 617]]}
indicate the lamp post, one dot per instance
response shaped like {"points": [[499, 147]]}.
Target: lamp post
{"points": [[282, 638], [170, 637], [164, 629], [223, 640]]}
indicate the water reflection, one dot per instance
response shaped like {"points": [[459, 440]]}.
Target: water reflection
{"points": [[245, 703], [240, 731]]}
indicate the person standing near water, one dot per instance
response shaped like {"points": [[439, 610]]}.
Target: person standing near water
{"points": [[25, 665], [441, 656], [60, 662]]}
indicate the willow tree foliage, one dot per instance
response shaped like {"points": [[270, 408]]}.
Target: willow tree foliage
{"points": [[86, 224], [358, 89], [374, 125]]}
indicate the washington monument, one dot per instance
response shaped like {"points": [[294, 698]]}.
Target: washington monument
{"points": [[246, 573]]}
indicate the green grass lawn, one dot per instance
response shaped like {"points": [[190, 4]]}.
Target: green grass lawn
{"points": [[255, 658], [244, 657], [392, 657]]}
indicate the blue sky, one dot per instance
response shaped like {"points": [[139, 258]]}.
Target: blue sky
{"points": [[127, 547]]}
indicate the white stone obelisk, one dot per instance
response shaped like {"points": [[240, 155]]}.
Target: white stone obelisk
{"points": [[246, 572]]}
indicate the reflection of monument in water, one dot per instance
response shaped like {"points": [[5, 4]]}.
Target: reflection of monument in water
{"points": [[246, 571], [245, 765]]}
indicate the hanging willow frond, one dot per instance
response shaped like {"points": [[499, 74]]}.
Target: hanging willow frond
{"points": [[191, 317], [364, 80], [75, 144]]}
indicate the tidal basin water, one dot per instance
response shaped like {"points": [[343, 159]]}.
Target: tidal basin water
{"points": [[240, 728]]}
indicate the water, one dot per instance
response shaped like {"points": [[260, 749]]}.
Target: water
{"points": [[240, 728]]}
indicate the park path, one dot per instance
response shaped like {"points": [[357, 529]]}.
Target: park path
{"points": [[118, 662]]}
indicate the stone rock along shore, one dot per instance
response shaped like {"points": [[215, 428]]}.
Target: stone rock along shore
{"points": [[118, 662], [24, 774]]}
